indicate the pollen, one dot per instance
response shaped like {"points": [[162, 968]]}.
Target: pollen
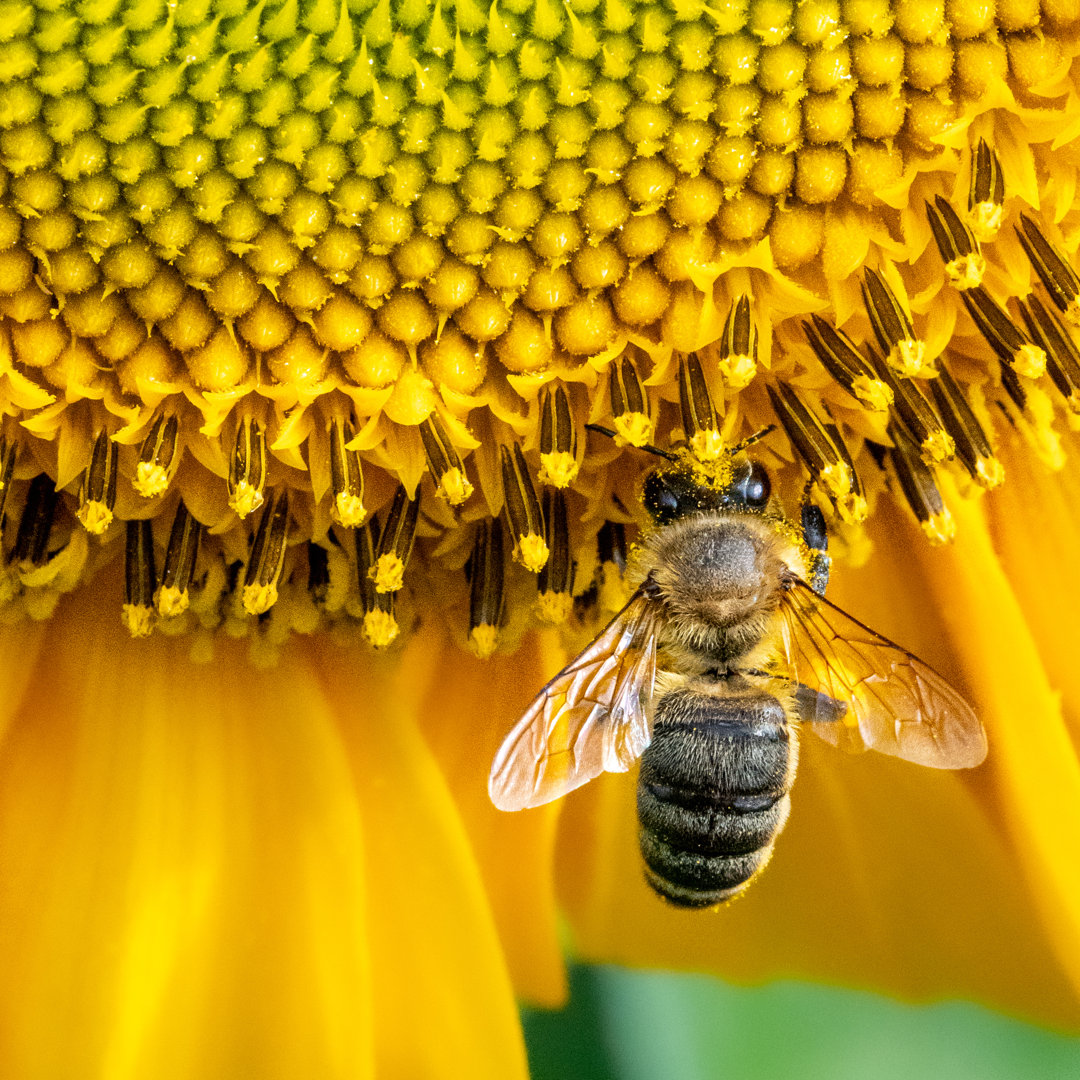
{"points": [[281, 292]]}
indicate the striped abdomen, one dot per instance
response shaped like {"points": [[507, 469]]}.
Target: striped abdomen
{"points": [[712, 793]]}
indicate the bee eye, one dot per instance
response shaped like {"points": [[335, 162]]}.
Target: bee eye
{"points": [[754, 488], [660, 500]]}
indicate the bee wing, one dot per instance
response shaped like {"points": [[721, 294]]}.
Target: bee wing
{"points": [[591, 718], [896, 704]]}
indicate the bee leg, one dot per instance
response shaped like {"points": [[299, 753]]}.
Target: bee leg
{"points": [[816, 538]]}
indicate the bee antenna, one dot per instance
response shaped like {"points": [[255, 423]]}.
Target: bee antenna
{"points": [[647, 447], [751, 439]]}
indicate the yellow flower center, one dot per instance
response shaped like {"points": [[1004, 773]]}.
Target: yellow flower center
{"points": [[287, 289]]}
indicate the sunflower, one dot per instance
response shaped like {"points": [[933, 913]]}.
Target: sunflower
{"points": [[304, 309]]}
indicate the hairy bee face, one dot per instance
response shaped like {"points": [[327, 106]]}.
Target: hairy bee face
{"points": [[717, 575]]}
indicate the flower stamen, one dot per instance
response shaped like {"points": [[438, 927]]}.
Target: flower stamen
{"points": [[1062, 355], [629, 402], [395, 543], [380, 626], [986, 195], [1003, 335], [247, 468], [700, 426], [267, 555], [919, 487], [558, 439], [97, 491], [556, 576], [844, 362], [158, 457], [180, 558], [964, 263], [903, 350], [486, 573], [1057, 275], [140, 579], [739, 346], [972, 446], [452, 482], [523, 511], [346, 477]]}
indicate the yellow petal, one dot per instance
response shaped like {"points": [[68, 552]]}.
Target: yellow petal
{"points": [[444, 1004], [182, 888]]}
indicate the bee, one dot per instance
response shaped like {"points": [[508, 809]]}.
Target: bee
{"points": [[725, 651]]}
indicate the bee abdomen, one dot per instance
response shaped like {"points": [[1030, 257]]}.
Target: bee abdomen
{"points": [[712, 794]]}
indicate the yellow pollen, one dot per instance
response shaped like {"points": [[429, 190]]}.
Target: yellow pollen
{"points": [[532, 552], [246, 499], [348, 510], [707, 445], [380, 628], [454, 486], [558, 469], [737, 371], [388, 573], [258, 599], [636, 428], [938, 447], [1030, 361], [172, 601], [873, 393], [554, 607], [966, 272], [483, 640], [95, 516], [909, 358], [940, 528], [990, 472], [137, 619], [150, 479]]}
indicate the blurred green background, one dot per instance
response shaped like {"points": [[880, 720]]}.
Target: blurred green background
{"points": [[627, 1025]]}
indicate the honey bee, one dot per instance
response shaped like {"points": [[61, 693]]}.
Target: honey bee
{"points": [[725, 651]]}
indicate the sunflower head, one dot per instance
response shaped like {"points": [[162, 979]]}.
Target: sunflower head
{"points": [[304, 307]]}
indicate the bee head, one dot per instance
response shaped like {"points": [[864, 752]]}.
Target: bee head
{"points": [[673, 493]]}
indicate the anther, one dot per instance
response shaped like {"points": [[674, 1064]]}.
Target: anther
{"points": [[523, 510], [920, 490], [629, 402], [987, 193], [739, 346], [972, 446], [97, 491], [247, 468], [140, 579], [7, 469], [903, 350], [451, 480], [847, 365], [1003, 335], [318, 582], [267, 555], [180, 558], [486, 573], [556, 578], [35, 525], [913, 409], [964, 263], [813, 444], [1055, 272], [157, 457], [851, 507], [558, 439], [1062, 356], [380, 626], [395, 543], [699, 421], [346, 477]]}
